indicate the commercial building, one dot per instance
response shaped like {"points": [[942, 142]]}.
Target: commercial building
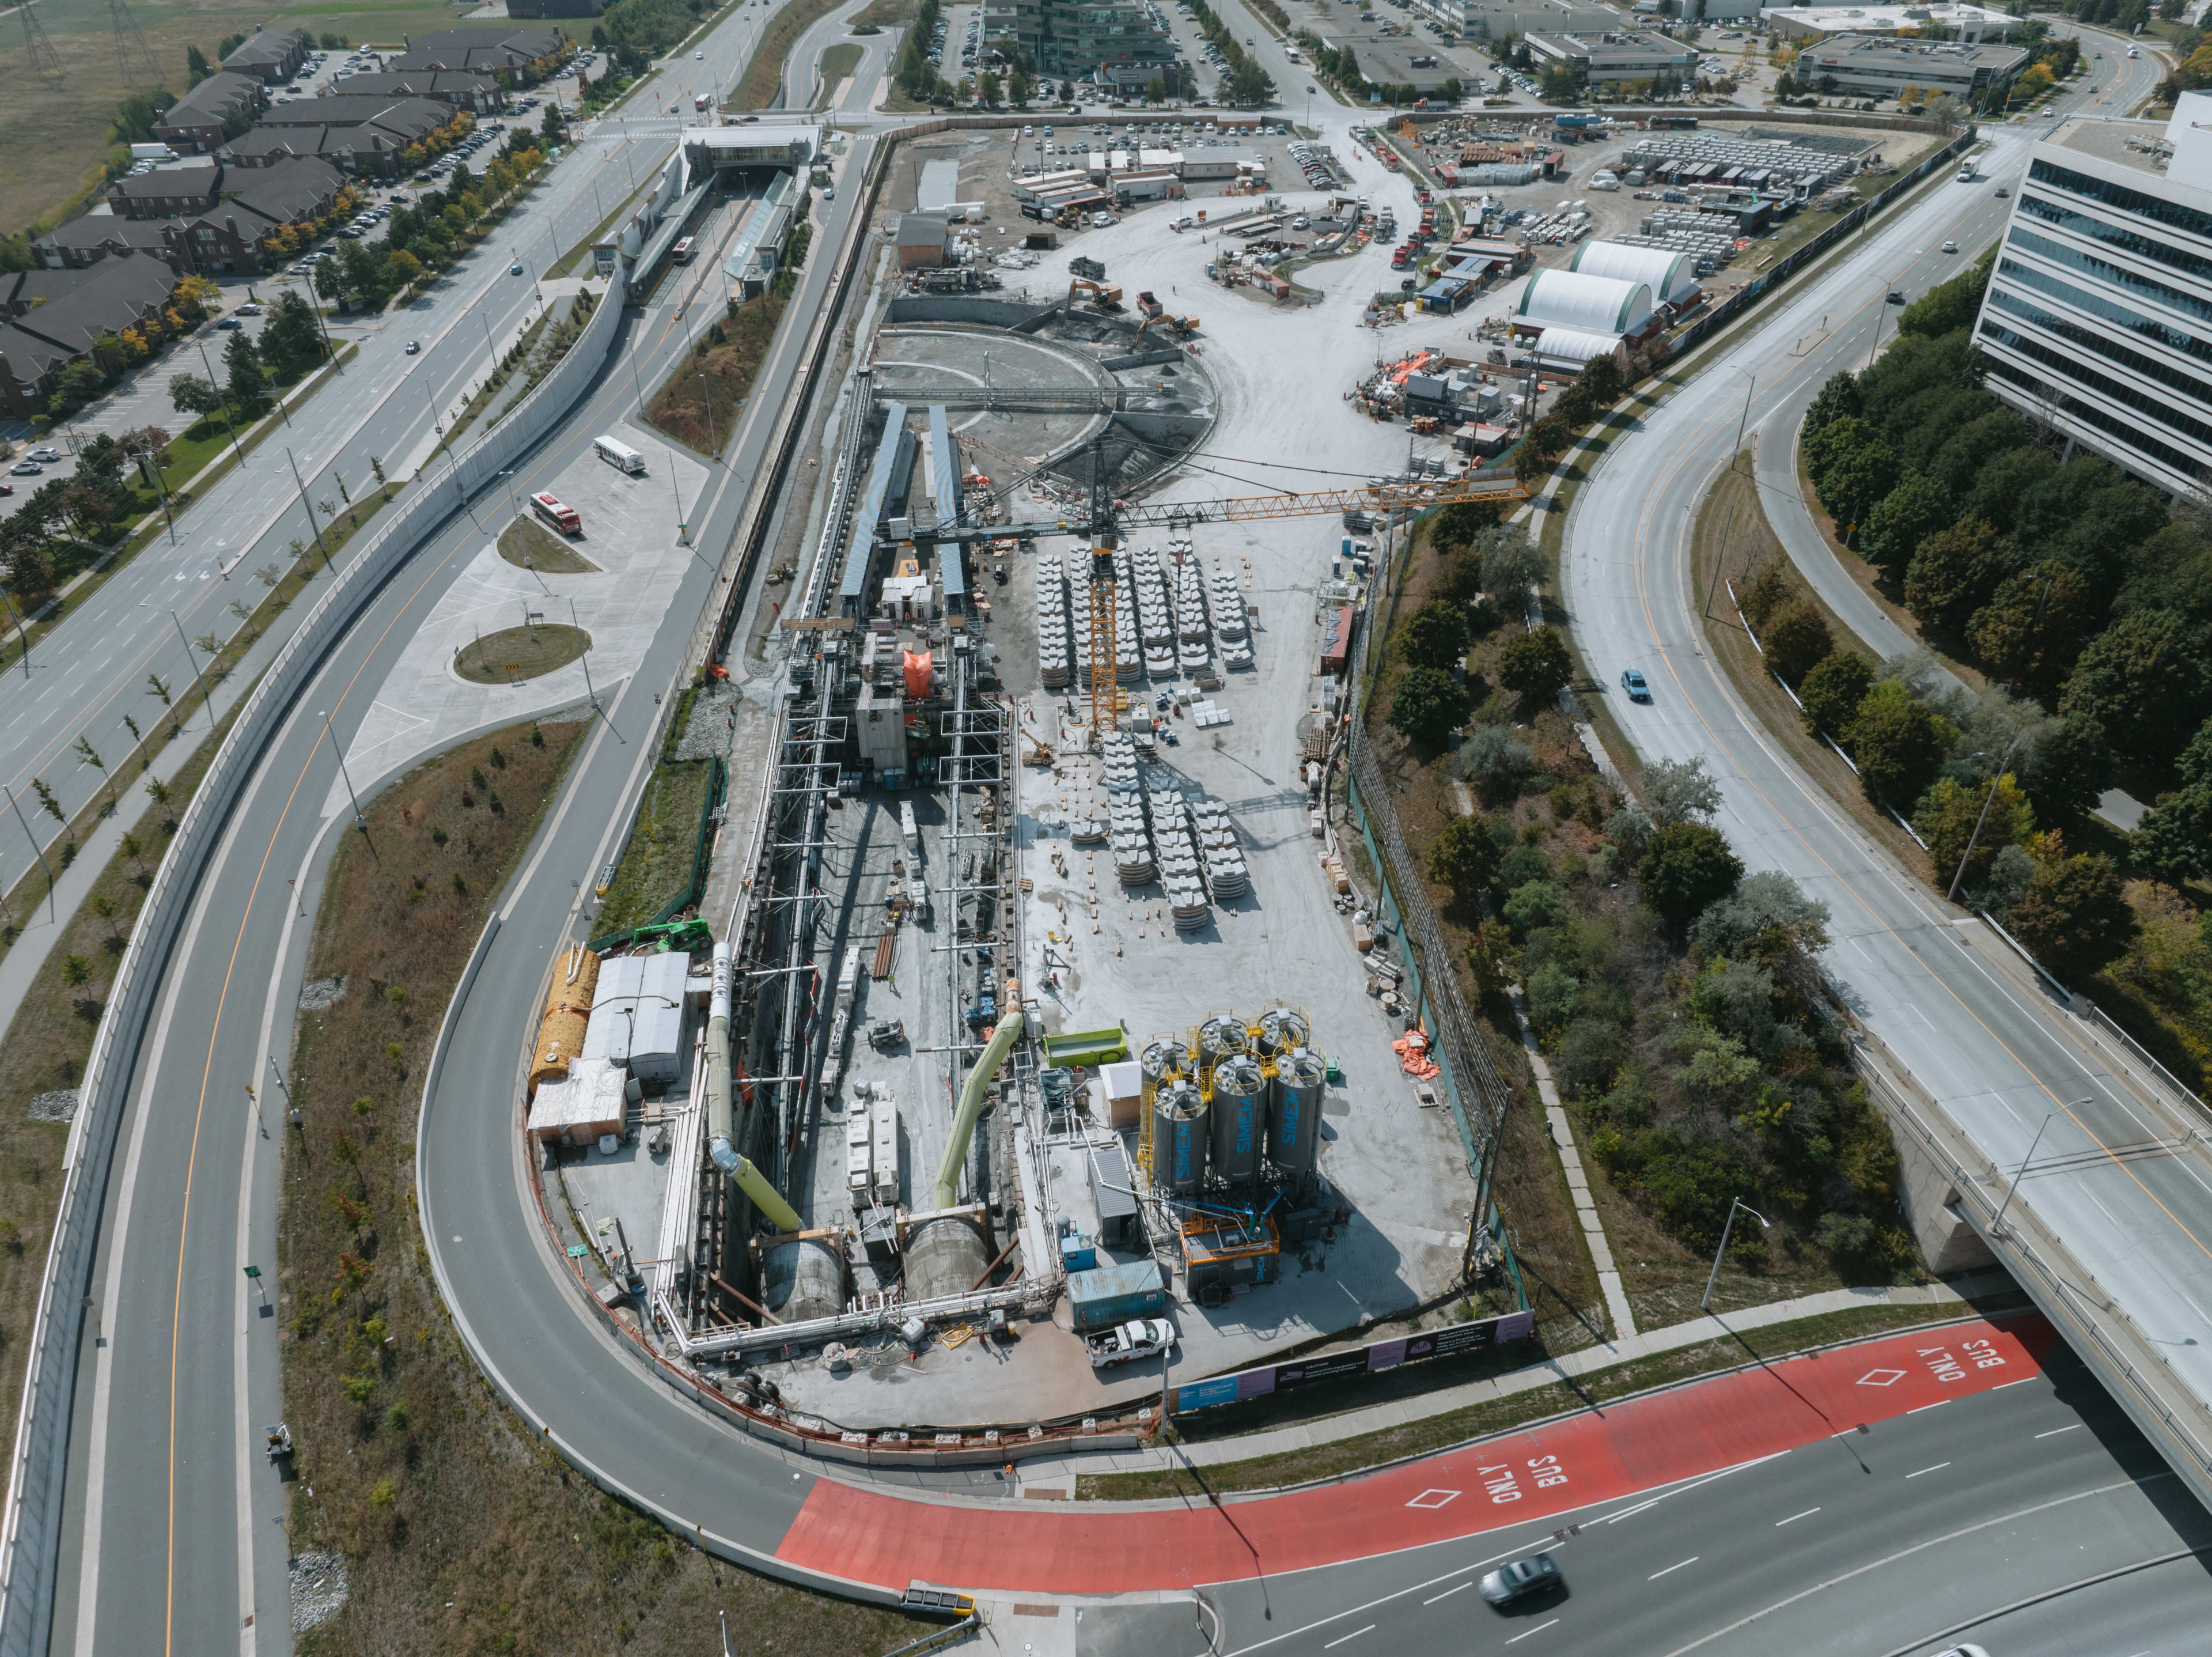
{"points": [[1615, 55], [924, 240], [62, 321], [1493, 20], [1972, 23], [1115, 43], [2098, 321], [200, 120], [1866, 66], [273, 55], [1671, 276], [1611, 306]]}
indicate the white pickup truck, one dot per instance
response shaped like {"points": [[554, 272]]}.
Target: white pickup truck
{"points": [[1140, 1338]]}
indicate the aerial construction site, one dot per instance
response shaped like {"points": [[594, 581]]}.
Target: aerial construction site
{"points": [[1050, 1051]]}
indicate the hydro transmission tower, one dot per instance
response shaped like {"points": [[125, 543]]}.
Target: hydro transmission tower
{"points": [[46, 62], [133, 57]]}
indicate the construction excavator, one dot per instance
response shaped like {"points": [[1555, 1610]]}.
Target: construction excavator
{"points": [[1104, 295], [1180, 324]]}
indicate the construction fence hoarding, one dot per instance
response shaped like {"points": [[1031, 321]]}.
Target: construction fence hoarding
{"points": [[1370, 1360]]}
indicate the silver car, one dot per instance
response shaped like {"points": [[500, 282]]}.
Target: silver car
{"points": [[1522, 1578]]}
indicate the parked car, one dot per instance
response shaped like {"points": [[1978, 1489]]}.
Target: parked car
{"points": [[1631, 681], [1522, 1578], [25, 469], [46, 452]]}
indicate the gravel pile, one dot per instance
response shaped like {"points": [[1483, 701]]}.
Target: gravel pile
{"points": [[708, 732], [318, 1589], [321, 994], [54, 1107]]}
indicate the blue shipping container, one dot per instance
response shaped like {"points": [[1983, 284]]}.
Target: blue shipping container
{"points": [[1114, 1294]]}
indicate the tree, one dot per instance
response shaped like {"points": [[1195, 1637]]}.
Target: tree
{"points": [[1686, 867], [1434, 635], [1462, 858], [1897, 743], [1767, 918], [1538, 665], [1427, 706], [1680, 791], [1947, 306], [1512, 567], [1902, 519], [1832, 693], [986, 88], [1797, 641], [1839, 397], [196, 67], [1852, 467], [1954, 574], [291, 340], [1155, 91], [2144, 679], [2065, 765], [1461, 525], [190, 394], [401, 268], [2031, 631], [1945, 820], [2074, 916], [1495, 761], [245, 383]]}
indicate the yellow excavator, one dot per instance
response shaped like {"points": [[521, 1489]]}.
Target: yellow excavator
{"points": [[1181, 324], [1105, 296]]}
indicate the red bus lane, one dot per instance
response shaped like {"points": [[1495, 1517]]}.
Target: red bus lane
{"points": [[865, 1534]]}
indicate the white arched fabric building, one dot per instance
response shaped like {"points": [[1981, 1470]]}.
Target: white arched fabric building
{"points": [[1672, 278], [1571, 348], [1588, 304]]}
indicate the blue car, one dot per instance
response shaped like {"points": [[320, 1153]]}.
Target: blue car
{"points": [[1632, 682]]}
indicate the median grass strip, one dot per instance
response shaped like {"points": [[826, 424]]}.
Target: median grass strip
{"points": [[529, 545], [840, 61], [515, 654], [764, 74], [48, 1043], [461, 1529], [655, 868], [1501, 1415]]}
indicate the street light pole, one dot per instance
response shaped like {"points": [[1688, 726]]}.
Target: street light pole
{"points": [[1765, 1224], [1995, 782], [207, 697], [707, 397], [14, 616], [1996, 1221], [220, 402], [39, 850], [359, 821], [313, 523]]}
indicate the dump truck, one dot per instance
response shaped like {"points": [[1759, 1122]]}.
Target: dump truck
{"points": [[1149, 303], [1140, 1338]]}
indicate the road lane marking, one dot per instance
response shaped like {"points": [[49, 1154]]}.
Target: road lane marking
{"points": [[2055, 1431], [1671, 1569], [1354, 1634], [1539, 1629], [1448, 1593], [1924, 1408], [1937, 1468], [1794, 1518]]}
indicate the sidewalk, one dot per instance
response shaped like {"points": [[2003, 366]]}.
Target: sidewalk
{"points": [[1399, 1413]]}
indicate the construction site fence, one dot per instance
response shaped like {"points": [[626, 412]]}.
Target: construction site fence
{"points": [[697, 886], [30, 1528], [1378, 1358]]}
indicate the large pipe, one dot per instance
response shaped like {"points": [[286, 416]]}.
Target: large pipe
{"points": [[971, 1105], [720, 1151]]}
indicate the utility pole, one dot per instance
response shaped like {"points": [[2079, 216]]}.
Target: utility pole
{"points": [[359, 821], [39, 850], [220, 402], [207, 697], [150, 464], [17, 618], [313, 522]]}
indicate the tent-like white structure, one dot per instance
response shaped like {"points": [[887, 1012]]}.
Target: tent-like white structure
{"points": [[1671, 276], [1589, 304], [1571, 348]]}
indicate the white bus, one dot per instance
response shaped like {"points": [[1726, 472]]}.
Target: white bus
{"points": [[684, 249], [620, 455], [558, 513]]}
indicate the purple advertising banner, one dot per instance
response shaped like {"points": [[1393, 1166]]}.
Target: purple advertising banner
{"points": [[1360, 1360]]}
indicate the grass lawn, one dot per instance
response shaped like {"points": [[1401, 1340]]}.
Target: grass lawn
{"points": [[655, 868], [527, 539], [464, 1532], [515, 654], [837, 63], [1505, 1413]]}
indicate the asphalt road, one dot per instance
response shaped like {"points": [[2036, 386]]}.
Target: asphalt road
{"points": [[1856, 1546], [172, 1539]]}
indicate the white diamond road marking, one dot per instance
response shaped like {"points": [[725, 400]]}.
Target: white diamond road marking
{"points": [[1432, 1499], [1881, 1377]]}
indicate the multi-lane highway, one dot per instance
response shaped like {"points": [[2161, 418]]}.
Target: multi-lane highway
{"points": [[1927, 1519]]}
